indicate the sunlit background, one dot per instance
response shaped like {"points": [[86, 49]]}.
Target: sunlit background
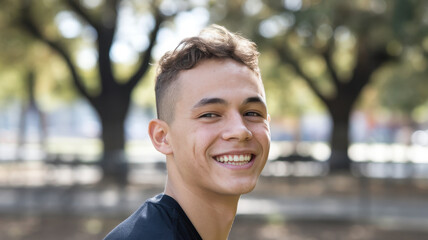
{"points": [[364, 59]]}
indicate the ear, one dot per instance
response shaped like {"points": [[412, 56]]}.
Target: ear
{"points": [[158, 132]]}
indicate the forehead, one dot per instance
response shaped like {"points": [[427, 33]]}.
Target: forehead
{"points": [[219, 78]]}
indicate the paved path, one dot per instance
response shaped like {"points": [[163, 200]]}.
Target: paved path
{"points": [[397, 203], [44, 203]]}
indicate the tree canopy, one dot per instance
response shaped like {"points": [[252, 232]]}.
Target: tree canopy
{"points": [[337, 48], [315, 55]]}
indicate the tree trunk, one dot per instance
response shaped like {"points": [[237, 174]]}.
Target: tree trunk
{"points": [[339, 143], [27, 108], [113, 160], [114, 99], [112, 112]]}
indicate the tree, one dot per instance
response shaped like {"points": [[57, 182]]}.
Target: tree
{"points": [[335, 46], [114, 96], [18, 77], [403, 87]]}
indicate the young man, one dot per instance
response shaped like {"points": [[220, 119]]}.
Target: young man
{"points": [[213, 127]]}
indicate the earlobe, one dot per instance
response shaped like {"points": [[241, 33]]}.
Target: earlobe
{"points": [[158, 132]]}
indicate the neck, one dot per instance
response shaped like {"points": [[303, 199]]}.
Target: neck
{"points": [[211, 214]]}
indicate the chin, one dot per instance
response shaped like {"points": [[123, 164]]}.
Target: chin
{"points": [[247, 191], [243, 188]]}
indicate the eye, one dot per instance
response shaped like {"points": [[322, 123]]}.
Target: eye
{"points": [[209, 115], [252, 114]]}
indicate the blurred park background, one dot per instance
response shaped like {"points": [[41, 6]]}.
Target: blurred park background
{"points": [[347, 90]]}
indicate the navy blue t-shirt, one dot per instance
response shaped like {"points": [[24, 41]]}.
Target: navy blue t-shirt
{"points": [[160, 217]]}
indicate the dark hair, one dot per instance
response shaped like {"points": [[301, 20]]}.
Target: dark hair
{"points": [[214, 42]]}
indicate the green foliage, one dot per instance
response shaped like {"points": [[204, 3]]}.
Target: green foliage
{"points": [[339, 28], [402, 88], [10, 86], [286, 93], [144, 93], [22, 53], [397, 26]]}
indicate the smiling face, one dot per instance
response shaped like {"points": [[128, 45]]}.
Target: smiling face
{"points": [[219, 139]]}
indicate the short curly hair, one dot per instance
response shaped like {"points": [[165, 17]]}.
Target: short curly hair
{"points": [[214, 42]]}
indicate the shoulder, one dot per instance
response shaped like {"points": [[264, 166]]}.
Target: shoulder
{"points": [[153, 220], [160, 217]]}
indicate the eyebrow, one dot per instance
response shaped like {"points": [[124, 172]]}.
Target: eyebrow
{"points": [[256, 99], [208, 101]]}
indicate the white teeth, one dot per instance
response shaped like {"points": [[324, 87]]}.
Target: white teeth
{"points": [[234, 159]]}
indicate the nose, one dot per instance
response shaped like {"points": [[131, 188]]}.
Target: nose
{"points": [[236, 129]]}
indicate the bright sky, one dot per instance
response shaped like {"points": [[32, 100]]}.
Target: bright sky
{"points": [[132, 34], [134, 28]]}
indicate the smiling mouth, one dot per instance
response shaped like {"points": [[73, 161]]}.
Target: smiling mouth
{"points": [[236, 160]]}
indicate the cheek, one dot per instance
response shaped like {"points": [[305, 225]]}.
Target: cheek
{"points": [[262, 136], [195, 141], [204, 137], [261, 132]]}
